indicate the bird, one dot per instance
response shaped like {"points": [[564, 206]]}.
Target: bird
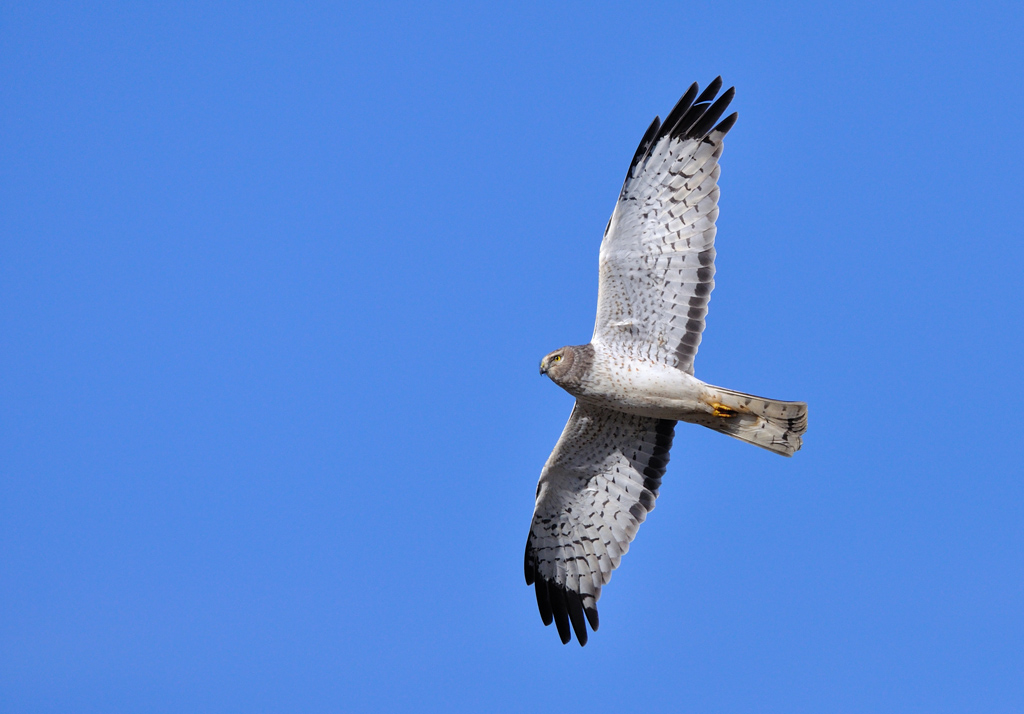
{"points": [[635, 380]]}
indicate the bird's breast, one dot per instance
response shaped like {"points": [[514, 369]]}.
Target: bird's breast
{"points": [[641, 386]]}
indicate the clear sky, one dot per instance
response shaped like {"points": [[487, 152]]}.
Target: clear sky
{"points": [[275, 281]]}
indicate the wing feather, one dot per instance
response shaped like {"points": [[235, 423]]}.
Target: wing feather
{"points": [[596, 489], [657, 261]]}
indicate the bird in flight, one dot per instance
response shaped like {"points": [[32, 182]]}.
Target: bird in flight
{"points": [[634, 380]]}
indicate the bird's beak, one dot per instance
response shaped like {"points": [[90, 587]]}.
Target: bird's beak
{"points": [[543, 369]]}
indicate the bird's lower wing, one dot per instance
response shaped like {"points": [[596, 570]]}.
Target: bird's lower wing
{"points": [[595, 490]]}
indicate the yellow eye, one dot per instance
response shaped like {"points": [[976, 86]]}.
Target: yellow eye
{"points": [[558, 358]]}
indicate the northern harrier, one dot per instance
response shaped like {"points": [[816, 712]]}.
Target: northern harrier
{"points": [[634, 380]]}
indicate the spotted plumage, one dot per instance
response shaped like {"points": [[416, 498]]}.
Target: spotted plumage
{"points": [[634, 380]]}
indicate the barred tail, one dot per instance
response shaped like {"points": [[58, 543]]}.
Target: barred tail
{"points": [[768, 423]]}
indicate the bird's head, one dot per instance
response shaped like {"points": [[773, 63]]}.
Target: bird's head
{"points": [[558, 364]]}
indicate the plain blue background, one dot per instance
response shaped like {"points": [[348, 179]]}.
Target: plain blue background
{"points": [[275, 281]]}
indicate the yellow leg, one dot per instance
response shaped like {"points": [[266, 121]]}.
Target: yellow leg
{"points": [[720, 410]]}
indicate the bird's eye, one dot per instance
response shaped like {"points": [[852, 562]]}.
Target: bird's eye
{"points": [[558, 358]]}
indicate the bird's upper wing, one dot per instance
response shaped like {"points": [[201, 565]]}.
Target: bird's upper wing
{"points": [[658, 253], [595, 490]]}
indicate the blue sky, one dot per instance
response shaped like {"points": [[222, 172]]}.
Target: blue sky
{"points": [[275, 281]]}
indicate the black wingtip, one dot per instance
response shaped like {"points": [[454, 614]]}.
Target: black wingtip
{"points": [[726, 124], [565, 608], [707, 120], [543, 601], [691, 117], [574, 603], [679, 110], [711, 90], [560, 611], [645, 145]]}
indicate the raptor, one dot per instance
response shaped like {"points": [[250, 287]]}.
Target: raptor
{"points": [[634, 381]]}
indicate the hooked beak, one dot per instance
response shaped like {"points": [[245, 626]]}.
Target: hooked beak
{"points": [[543, 369]]}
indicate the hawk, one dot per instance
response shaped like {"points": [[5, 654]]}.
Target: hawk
{"points": [[634, 380]]}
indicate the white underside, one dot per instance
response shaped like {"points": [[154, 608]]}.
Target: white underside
{"points": [[644, 387]]}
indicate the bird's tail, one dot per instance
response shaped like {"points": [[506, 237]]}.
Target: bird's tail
{"points": [[768, 423]]}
